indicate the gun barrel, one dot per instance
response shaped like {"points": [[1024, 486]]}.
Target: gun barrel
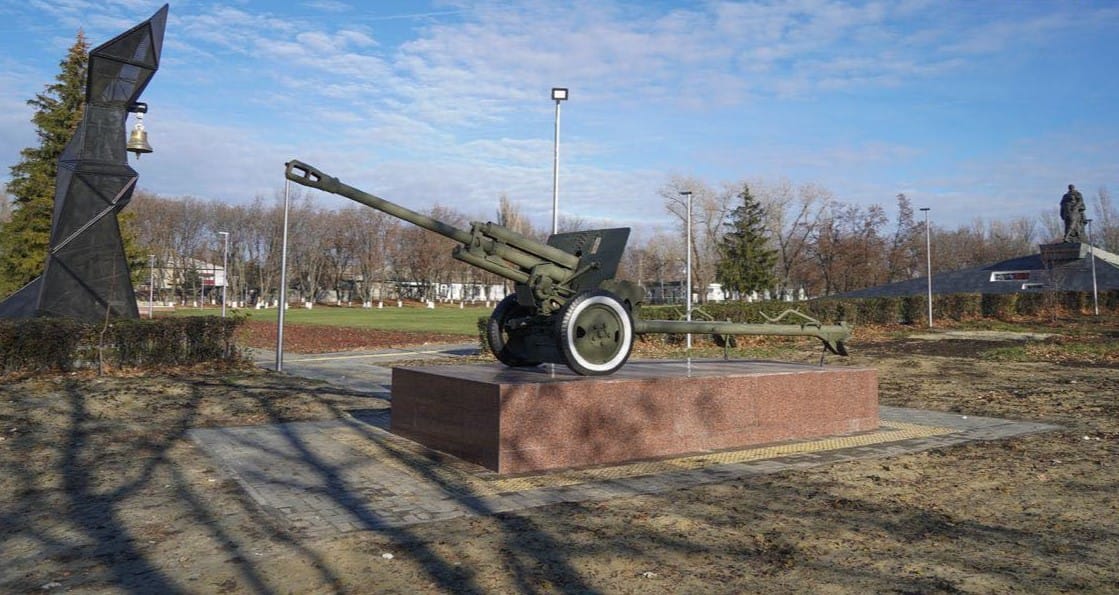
{"points": [[531, 246], [306, 175]]}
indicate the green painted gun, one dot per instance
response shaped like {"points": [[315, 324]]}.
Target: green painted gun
{"points": [[567, 307]]}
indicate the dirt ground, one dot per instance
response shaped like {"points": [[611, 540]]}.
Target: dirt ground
{"points": [[101, 491], [303, 338]]}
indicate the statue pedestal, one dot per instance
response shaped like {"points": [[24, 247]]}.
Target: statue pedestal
{"points": [[528, 420], [1064, 252]]}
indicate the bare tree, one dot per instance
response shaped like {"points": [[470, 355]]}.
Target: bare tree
{"points": [[709, 212], [509, 215], [793, 216], [259, 240], [980, 243], [237, 221], [570, 223], [1007, 239], [954, 249], [173, 231], [422, 259], [654, 262], [368, 232], [904, 256], [848, 247], [1052, 226], [309, 247], [1105, 224], [823, 246], [338, 245], [152, 222], [866, 266]]}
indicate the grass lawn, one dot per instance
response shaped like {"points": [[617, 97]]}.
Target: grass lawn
{"points": [[443, 319]]}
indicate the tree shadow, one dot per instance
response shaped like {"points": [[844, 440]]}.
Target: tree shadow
{"points": [[347, 496], [90, 505], [538, 549]]}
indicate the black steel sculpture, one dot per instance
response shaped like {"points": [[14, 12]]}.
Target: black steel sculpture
{"points": [[567, 307], [86, 275]]}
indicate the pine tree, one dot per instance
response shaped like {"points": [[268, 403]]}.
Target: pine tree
{"points": [[746, 262], [25, 237]]}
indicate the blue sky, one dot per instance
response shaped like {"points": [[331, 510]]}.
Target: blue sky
{"points": [[978, 109]]}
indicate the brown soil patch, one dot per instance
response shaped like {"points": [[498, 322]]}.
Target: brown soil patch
{"points": [[101, 491], [307, 338]]}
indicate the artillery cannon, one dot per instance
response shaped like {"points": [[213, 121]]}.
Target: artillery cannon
{"points": [[567, 307]]}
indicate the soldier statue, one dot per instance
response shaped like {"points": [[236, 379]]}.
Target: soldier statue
{"points": [[1072, 213]]}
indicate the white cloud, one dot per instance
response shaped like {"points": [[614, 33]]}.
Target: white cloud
{"points": [[511, 152], [329, 6], [460, 110]]}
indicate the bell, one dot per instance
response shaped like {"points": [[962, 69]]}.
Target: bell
{"points": [[138, 140]]}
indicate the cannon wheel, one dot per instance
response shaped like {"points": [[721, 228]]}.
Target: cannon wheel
{"points": [[595, 333], [507, 350]]}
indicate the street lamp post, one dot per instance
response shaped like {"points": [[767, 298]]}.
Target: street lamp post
{"points": [[928, 261], [688, 265], [224, 269], [283, 280], [1092, 253], [151, 283], [559, 94]]}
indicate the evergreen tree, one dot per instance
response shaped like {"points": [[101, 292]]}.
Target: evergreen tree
{"points": [[746, 261], [25, 237]]}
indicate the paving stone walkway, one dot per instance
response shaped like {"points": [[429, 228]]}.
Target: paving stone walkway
{"points": [[361, 371], [325, 478]]}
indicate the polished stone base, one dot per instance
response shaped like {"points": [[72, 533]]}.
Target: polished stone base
{"points": [[1064, 252], [527, 420]]}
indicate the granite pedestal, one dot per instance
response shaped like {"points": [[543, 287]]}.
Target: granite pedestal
{"points": [[526, 420]]}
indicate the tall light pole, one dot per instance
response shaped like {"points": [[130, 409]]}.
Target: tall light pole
{"points": [[688, 265], [1092, 252], [283, 280], [559, 94], [151, 282], [224, 269], [928, 261]]}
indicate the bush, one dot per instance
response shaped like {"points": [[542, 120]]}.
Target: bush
{"points": [[39, 344], [483, 334], [1001, 305], [1077, 301], [1110, 299], [962, 306], [882, 310], [173, 341], [914, 309], [1030, 304]]}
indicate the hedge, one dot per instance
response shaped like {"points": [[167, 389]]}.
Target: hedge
{"points": [[905, 309], [40, 344]]}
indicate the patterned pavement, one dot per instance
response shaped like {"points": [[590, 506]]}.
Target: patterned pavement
{"points": [[325, 478]]}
